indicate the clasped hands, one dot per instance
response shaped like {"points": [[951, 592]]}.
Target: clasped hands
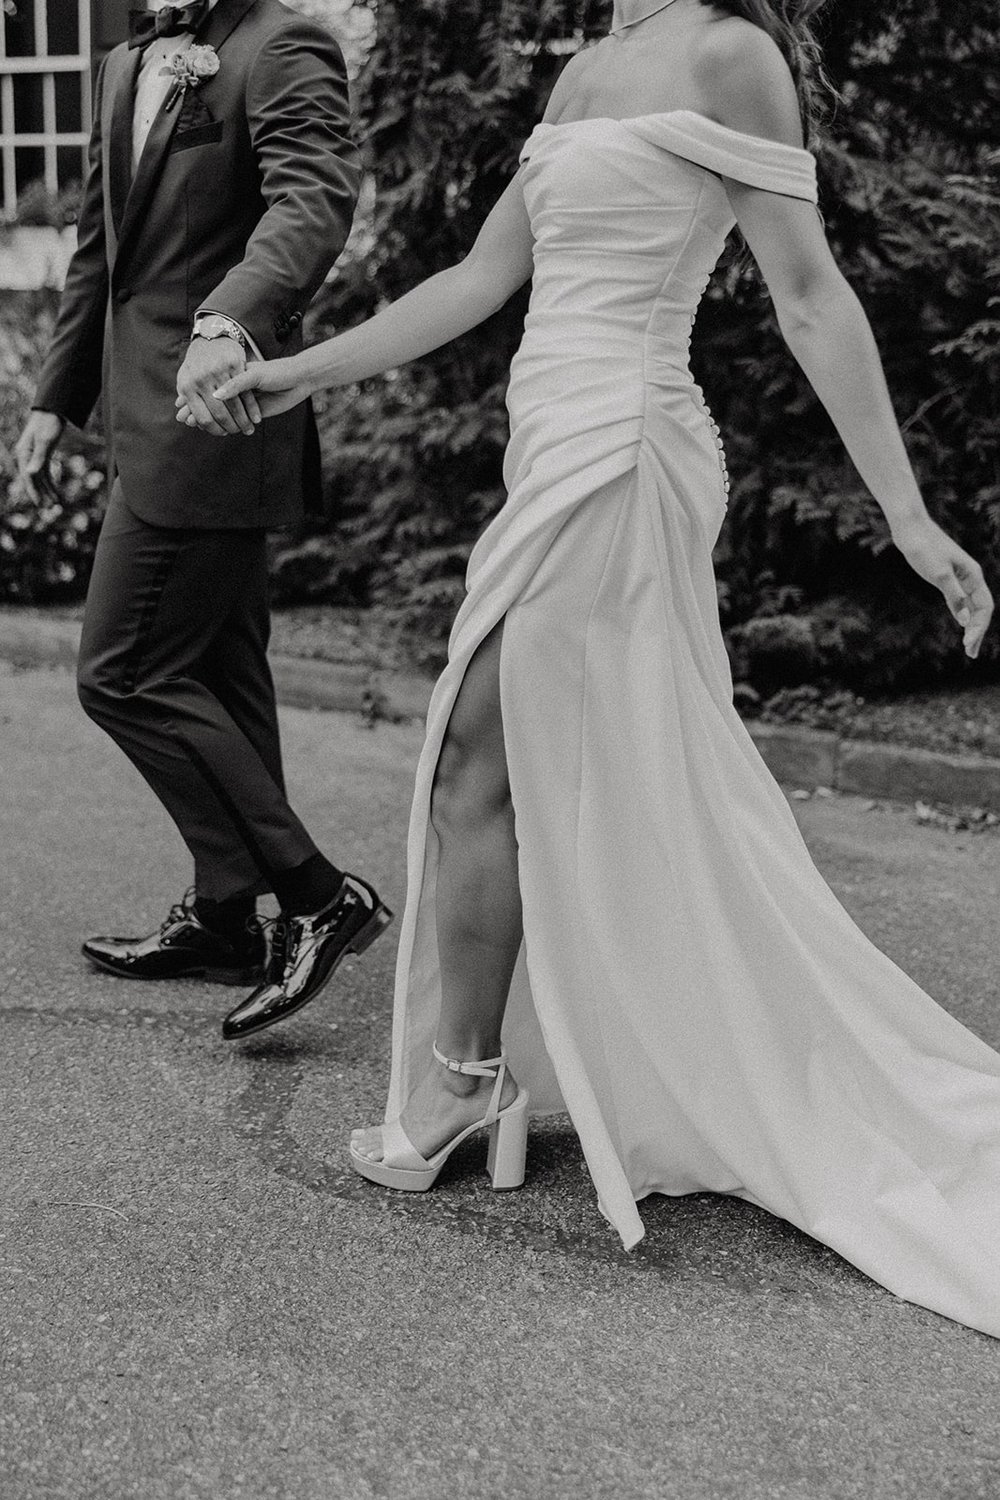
{"points": [[207, 364], [217, 391]]}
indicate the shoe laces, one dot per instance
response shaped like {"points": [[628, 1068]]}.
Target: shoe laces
{"points": [[283, 950], [181, 911], [275, 931]]}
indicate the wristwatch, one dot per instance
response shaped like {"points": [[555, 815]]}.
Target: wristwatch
{"points": [[217, 326]]}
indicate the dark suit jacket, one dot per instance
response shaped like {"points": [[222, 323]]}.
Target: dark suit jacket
{"points": [[241, 202]]}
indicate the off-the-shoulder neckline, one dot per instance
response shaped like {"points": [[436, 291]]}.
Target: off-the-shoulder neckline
{"points": [[671, 114]]}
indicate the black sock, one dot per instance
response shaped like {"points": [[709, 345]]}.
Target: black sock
{"points": [[227, 918], [309, 887]]}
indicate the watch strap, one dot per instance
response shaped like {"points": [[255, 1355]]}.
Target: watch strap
{"points": [[218, 326]]}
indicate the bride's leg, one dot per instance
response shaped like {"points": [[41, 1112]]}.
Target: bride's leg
{"points": [[478, 908], [478, 897]]}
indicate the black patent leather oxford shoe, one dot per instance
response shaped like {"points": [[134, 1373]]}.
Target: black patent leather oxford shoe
{"points": [[182, 948], [305, 952]]}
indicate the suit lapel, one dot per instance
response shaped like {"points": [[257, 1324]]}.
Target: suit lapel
{"points": [[120, 141], [147, 168], [223, 19]]}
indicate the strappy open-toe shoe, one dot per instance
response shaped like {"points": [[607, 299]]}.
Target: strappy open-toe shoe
{"points": [[402, 1166]]}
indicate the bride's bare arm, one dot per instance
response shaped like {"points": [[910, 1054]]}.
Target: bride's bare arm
{"points": [[440, 308], [433, 313], [824, 324]]}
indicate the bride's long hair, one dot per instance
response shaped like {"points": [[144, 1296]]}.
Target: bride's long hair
{"points": [[788, 23]]}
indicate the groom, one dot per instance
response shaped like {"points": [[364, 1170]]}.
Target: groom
{"points": [[221, 185]]}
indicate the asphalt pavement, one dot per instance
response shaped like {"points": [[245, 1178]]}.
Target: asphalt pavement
{"points": [[199, 1299]]}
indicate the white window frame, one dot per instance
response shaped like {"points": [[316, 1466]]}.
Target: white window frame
{"points": [[48, 138]]}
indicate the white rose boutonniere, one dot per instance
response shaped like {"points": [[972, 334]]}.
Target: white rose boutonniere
{"points": [[189, 69]]}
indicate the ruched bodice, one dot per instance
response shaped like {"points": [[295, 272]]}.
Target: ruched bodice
{"points": [[633, 270], [630, 216], [689, 988]]}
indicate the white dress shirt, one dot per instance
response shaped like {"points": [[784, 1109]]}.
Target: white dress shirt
{"points": [[152, 86]]}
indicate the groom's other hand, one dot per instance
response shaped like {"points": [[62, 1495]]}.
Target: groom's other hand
{"points": [[207, 364], [34, 450]]}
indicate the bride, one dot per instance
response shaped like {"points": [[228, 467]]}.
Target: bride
{"points": [[610, 908]]}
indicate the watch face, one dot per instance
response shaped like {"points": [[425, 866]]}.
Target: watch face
{"points": [[219, 328]]}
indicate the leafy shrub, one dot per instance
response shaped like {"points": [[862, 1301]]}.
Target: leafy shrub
{"points": [[414, 460], [911, 197], [37, 205], [772, 649], [46, 547], [809, 584], [810, 706], [917, 239]]}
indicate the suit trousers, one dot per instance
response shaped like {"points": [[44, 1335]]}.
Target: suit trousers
{"points": [[173, 666]]}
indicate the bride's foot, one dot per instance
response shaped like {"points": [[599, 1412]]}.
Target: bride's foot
{"points": [[442, 1105]]}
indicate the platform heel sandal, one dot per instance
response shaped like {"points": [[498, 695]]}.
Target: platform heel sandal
{"points": [[403, 1167]]}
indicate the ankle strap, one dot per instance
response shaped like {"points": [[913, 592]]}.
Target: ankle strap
{"points": [[488, 1067]]}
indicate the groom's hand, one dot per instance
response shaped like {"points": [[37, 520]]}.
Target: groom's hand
{"points": [[34, 449], [207, 364]]}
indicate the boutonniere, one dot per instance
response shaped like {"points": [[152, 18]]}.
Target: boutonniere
{"points": [[189, 69]]}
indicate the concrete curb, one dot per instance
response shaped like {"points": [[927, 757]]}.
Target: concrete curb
{"points": [[809, 758], [798, 757], [29, 639]]}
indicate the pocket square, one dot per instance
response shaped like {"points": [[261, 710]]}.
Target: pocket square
{"points": [[194, 112], [200, 135]]}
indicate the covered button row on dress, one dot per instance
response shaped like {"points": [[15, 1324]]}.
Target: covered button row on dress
{"points": [[703, 404], [714, 426], [722, 452]]}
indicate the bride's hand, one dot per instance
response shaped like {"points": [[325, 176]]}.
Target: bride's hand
{"points": [[278, 384], [932, 553]]}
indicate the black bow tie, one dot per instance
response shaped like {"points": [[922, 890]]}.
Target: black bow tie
{"points": [[145, 26]]}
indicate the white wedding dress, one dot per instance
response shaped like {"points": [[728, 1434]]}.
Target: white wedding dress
{"points": [[689, 988]]}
